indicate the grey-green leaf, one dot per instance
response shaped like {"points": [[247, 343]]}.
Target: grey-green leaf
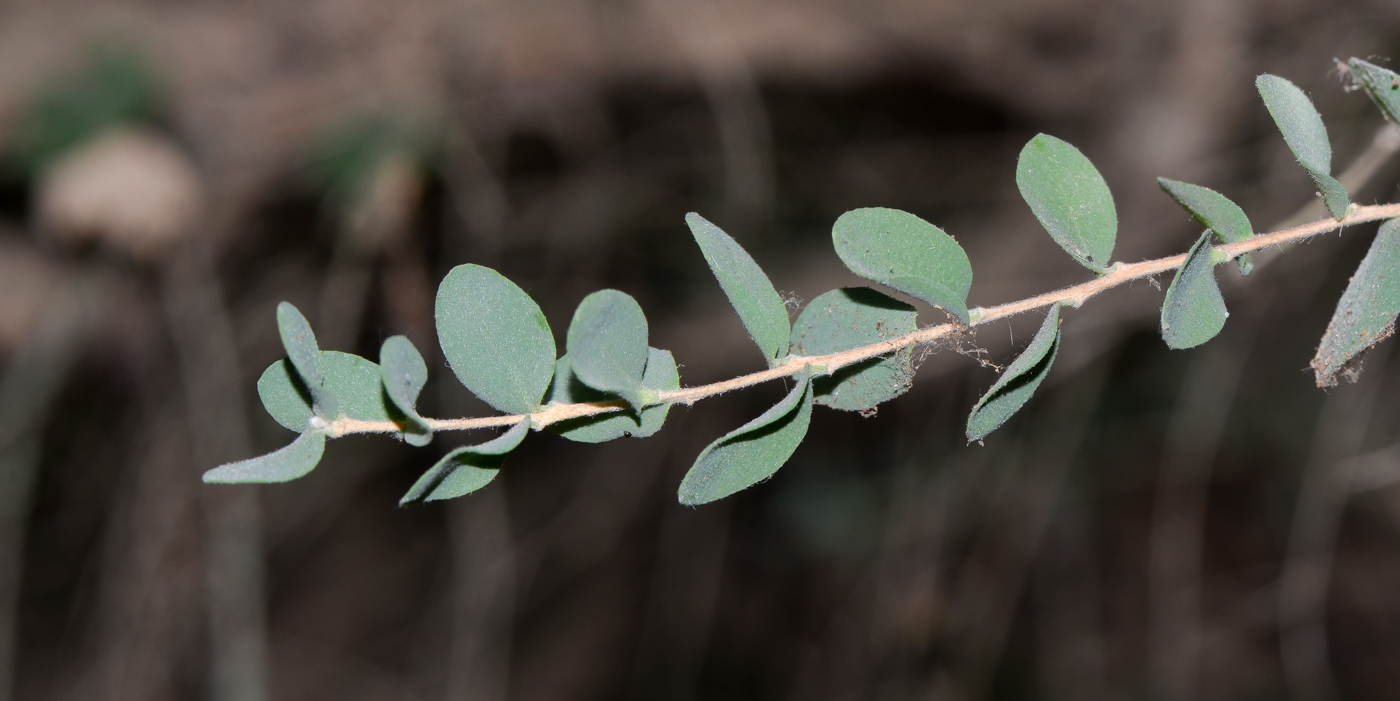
{"points": [[905, 253], [1381, 84], [1306, 135], [1193, 311], [285, 396], [1299, 121], [495, 338], [607, 344], [1020, 380], [466, 469], [660, 374], [1366, 312], [1215, 211], [289, 463], [1070, 198], [753, 452], [848, 318], [1334, 195], [355, 381], [404, 374], [300, 342], [749, 290]]}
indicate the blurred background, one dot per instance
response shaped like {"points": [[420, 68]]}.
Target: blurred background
{"points": [[1201, 524]]}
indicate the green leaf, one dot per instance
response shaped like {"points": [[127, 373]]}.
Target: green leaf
{"points": [[660, 374], [1306, 135], [495, 338], [905, 253], [289, 463], [1334, 195], [1070, 198], [1366, 312], [748, 289], [466, 469], [607, 343], [853, 317], [1193, 311], [353, 379], [1214, 211], [302, 351], [1382, 84], [404, 374], [1020, 380], [285, 396], [753, 452]]}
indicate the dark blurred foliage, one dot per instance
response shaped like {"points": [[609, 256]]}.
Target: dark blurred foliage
{"points": [[1155, 524], [112, 85]]}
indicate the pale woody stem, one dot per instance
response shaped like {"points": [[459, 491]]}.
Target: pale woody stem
{"points": [[1074, 296]]}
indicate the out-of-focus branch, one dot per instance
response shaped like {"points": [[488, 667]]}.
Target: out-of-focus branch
{"points": [[31, 382], [1317, 521]]}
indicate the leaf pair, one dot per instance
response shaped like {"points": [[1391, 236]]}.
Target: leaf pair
{"points": [[1194, 310], [888, 246], [608, 358], [660, 375], [1214, 211], [500, 346], [1306, 135], [311, 388], [853, 317], [836, 321]]}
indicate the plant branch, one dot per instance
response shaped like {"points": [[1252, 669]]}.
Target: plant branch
{"points": [[1075, 296]]}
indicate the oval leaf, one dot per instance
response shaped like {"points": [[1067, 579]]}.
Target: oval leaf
{"points": [[1366, 312], [1215, 211], [748, 289], [1193, 312], [1070, 199], [404, 374], [660, 375], [289, 463], [1299, 121], [1020, 380], [1381, 84], [848, 318], [300, 343], [495, 338], [753, 452], [607, 343], [466, 469], [1306, 135], [285, 396], [353, 380], [905, 253]]}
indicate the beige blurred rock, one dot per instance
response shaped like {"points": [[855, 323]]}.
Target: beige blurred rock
{"points": [[129, 189]]}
